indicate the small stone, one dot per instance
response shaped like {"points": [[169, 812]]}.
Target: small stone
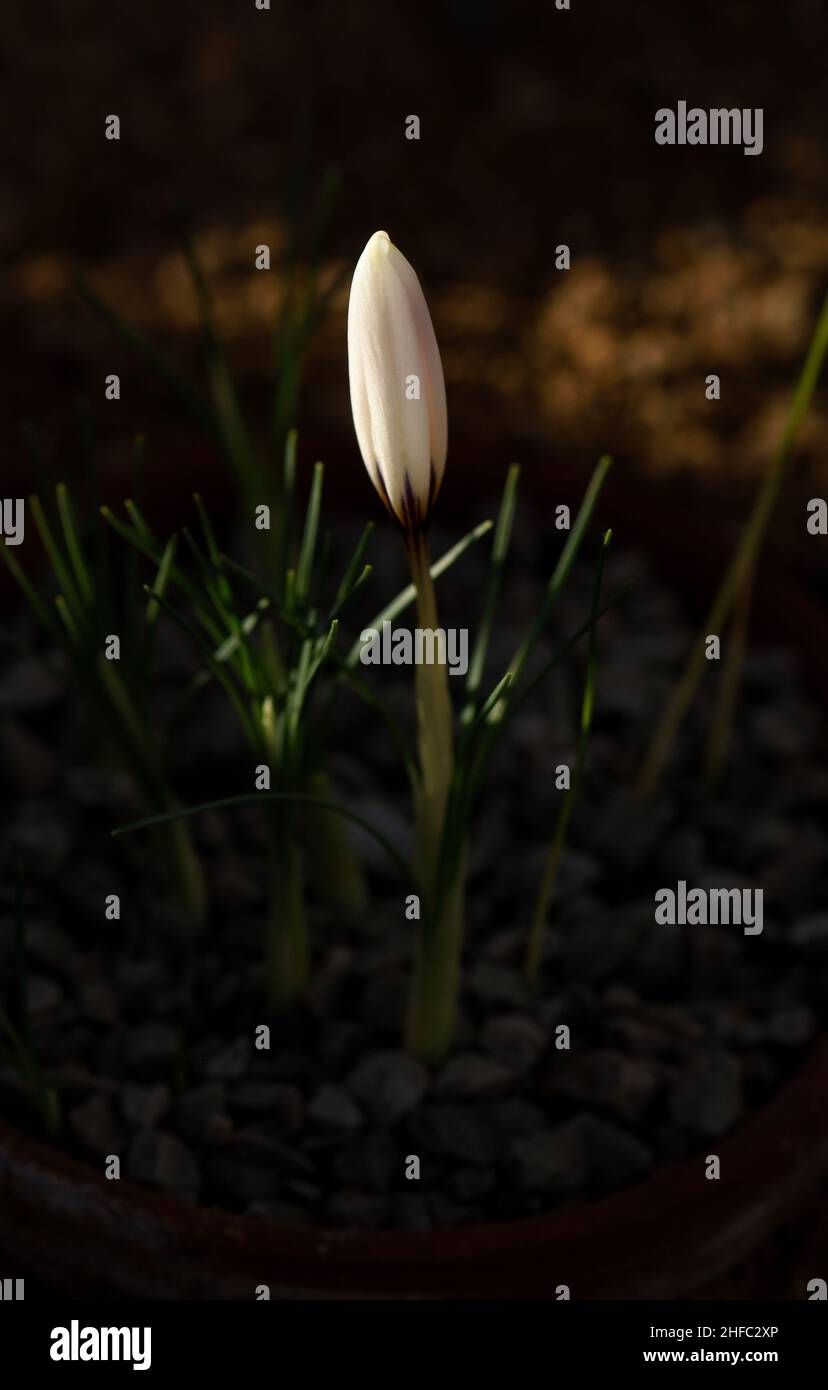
{"points": [[389, 1084], [499, 984], [514, 1118], [384, 1002], [230, 1063], [41, 842], [793, 1026], [307, 1192], [357, 1209], [613, 1157], [504, 947], [242, 1180], [608, 1080], [783, 732], [100, 788], [99, 1003], [387, 819], [708, 1098], [333, 1109], [201, 1109], [28, 687], [456, 1131], [621, 997], [811, 933], [235, 884], [330, 981], [341, 1044], [84, 893], [368, 1163], [280, 1105], [552, 1162], [144, 1106], [140, 982], [471, 1076], [447, 1212], [629, 828], [51, 948], [43, 995], [96, 1127], [515, 1041], [162, 1161], [597, 945], [152, 1048], [576, 874], [29, 764], [682, 856]]}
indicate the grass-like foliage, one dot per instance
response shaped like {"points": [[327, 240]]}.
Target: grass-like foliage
{"points": [[733, 601], [110, 655], [277, 655]]}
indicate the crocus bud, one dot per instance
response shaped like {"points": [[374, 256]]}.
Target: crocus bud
{"points": [[398, 395]]}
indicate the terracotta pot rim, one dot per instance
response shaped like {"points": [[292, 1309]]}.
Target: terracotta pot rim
{"points": [[781, 1149]]}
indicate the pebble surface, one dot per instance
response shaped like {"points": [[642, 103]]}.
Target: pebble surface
{"points": [[639, 1044]]}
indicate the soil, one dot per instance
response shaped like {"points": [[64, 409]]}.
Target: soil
{"points": [[675, 1033]]}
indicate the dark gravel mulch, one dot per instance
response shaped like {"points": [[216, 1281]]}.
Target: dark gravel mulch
{"points": [[642, 1043]]}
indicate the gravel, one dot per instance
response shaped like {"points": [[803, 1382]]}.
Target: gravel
{"points": [[388, 1084], [708, 1098], [675, 1033]]}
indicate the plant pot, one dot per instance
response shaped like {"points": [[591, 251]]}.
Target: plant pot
{"points": [[674, 1235], [669, 1237]]}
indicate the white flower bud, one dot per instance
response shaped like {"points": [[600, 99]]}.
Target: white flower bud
{"points": [[398, 395]]}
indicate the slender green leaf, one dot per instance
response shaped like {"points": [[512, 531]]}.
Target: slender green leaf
{"points": [[500, 547], [407, 595], [251, 798], [74, 546], [535, 943], [309, 536], [353, 578]]}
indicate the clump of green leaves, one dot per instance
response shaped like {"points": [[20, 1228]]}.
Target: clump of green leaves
{"points": [[111, 658], [267, 650], [277, 655]]}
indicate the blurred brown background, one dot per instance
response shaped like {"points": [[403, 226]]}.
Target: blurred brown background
{"points": [[537, 127]]}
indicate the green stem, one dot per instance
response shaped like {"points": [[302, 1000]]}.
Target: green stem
{"points": [[140, 755], [535, 945], [434, 722], [336, 872], [287, 938], [432, 1005], [184, 869], [433, 999], [729, 687]]}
